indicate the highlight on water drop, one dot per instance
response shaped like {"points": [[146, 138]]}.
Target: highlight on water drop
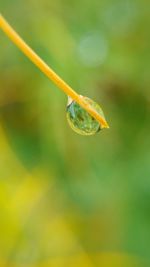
{"points": [[80, 120]]}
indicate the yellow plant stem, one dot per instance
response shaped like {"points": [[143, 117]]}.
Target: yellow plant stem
{"points": [[9, 31]]}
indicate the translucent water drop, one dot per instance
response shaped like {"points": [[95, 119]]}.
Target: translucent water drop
{"points": [[80, 120]]}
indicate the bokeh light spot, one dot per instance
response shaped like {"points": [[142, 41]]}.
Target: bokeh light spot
{"points": [[93, 49]]}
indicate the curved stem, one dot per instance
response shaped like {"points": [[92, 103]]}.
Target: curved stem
{"points": [[18, 41]]}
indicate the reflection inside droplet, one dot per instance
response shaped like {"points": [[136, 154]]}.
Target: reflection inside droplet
{"points": [[80, 120]]}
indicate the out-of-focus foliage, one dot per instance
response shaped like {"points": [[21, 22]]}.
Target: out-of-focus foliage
{"points": [[65, 199]]}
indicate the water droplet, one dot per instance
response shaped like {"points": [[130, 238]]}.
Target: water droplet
{"points": [[80, 120]]}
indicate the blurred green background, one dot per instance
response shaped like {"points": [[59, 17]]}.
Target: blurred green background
{"points": [[67, 200]]}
